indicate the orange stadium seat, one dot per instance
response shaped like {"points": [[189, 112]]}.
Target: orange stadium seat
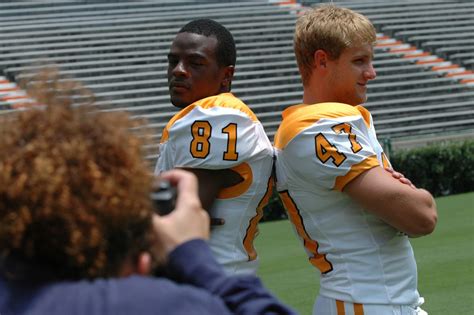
{"points": [[423, 59]]}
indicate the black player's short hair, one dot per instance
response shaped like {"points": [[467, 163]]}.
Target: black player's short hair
{"points": [[226, 53]]}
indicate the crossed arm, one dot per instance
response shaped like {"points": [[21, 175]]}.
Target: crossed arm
{"points": [[395, 200]]}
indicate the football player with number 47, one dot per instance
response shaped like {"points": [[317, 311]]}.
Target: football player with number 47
{"points": [[352, 212], [218, 138]]}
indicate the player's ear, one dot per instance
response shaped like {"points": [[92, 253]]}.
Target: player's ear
{"points": [[320, 58], [227, 80]]}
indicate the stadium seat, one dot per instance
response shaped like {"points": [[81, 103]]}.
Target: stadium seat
{"points": [[118, 50]]}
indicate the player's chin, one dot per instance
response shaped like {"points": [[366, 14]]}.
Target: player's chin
{"points": [[179, 101], [361, 98], [362, 92]]}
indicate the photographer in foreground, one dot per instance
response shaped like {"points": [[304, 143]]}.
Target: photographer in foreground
{"points": [[78, 233]]}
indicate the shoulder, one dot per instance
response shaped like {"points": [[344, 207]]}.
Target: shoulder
{"points": [[299, 118], [221, 104], [226, 101], [211, 111]]}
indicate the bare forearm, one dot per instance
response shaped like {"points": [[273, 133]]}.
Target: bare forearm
{"points": [[408, 209]]}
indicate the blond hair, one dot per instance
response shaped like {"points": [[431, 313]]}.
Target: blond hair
{"points": [[74, 187], [329, 28]]}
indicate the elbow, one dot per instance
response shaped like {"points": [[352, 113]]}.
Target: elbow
{"points": [[425, 224], [428, 225], [427, 216]]}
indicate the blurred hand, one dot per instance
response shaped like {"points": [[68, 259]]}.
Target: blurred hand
{"points": [[400, 177], [188, 221]]}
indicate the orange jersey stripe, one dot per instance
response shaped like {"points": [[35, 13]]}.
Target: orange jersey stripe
{"points": [[340, 308], [385, 161], [252, 229], [358, 309], [318, 260]]}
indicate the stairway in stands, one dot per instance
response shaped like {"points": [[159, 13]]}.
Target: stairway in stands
{"points": [[118, 50]]}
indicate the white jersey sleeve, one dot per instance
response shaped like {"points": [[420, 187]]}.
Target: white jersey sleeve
{"points": [[331, 152], [212, 138]]}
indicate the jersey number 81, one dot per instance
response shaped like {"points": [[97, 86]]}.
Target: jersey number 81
{"points": [[201, 131]]}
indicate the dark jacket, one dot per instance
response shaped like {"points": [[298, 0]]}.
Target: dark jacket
{"points": [[205, 290]]}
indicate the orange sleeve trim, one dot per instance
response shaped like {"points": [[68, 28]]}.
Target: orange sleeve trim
{"points": [[318, 260], [356, 170], [245, 171], [385, 161]]}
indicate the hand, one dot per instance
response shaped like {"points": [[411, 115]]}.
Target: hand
{"points": [[188, 221], [400, 177]]}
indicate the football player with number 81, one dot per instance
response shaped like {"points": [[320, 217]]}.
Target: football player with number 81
{"points": [[353, 216], [218, 138]]}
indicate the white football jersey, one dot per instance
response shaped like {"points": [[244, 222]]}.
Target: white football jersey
{"points": [[221, 132], [320, 148]]}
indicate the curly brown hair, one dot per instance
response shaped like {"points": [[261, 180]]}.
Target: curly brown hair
{"points": [[74, 186]]}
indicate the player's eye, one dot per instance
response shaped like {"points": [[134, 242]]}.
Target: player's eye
{"points": [[172, 61], [197, 62]]}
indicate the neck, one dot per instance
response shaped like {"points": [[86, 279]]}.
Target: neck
{"points": [[314, 95]]}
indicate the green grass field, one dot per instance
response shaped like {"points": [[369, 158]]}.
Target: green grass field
{"points": [[445, 261]]}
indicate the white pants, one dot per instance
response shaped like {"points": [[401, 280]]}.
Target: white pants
{"points": [[327, 306]]}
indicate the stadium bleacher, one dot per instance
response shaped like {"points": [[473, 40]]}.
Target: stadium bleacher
{"points": [[424, 60]]}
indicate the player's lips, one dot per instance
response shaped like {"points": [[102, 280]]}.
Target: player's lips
{"points": [[179, 86]]}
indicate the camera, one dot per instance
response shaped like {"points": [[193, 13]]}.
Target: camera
{"points": [[164, 197]]}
